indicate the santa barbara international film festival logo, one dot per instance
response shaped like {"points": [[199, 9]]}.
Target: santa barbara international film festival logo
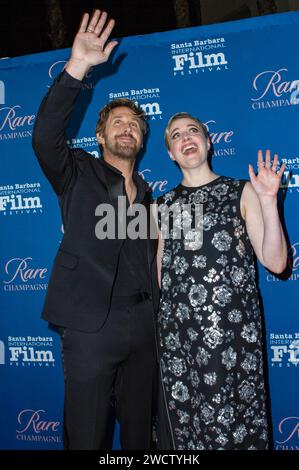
{"points": [[148, 98], [288, 433], [290, 179], [22, 275], [20, 198], [198, 56], [88, 143], [34, 425], [284, 347], [274, 89], [28, 351]]}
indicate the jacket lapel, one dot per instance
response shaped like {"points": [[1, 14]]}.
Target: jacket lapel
{"points": [[111, 178]]}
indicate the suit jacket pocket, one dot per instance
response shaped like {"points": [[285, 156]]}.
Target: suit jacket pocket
{"points": [[67, 260]]}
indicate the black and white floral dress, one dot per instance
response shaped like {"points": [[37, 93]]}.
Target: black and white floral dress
{"points": [[210, 324]]}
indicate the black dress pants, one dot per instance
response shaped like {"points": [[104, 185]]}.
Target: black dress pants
{"points": [[119, 359]]}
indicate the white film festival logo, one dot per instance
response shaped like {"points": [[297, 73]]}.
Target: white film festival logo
{"points": [[20, 198], [30, 351], [150, 109], [15, 203], [146, 98], [290, 178], [198, 60], [288, 352], [30, 355], [196, 56]]}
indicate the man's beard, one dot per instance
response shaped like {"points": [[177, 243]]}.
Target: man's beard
{"points": [[122, 150]]}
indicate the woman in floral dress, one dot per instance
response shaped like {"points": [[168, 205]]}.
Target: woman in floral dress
{"points": [[209, 320]]}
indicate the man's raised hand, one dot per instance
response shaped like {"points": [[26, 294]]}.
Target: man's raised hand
{"points": [[90, 45]]}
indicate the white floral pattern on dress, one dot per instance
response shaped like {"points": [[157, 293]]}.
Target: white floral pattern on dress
{"points": [[210, 326]]}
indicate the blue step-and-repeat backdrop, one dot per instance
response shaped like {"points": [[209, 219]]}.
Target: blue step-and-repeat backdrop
{"points": [[241, 79]]}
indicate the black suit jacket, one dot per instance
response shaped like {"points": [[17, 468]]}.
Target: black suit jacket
{"points": [[85, 267]]}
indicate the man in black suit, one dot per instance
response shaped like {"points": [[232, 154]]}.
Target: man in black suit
{"points": [[103, 293]]}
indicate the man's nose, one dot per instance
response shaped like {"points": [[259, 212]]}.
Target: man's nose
{"points": [[127, 127]]}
